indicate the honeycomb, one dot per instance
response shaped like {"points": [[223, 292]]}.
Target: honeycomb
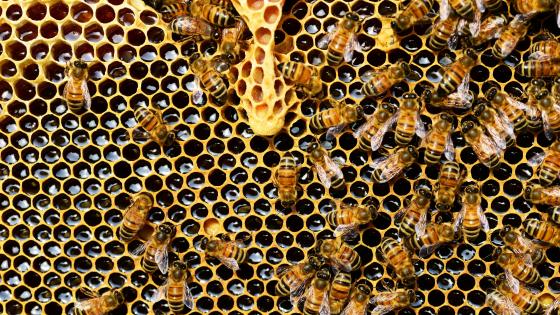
{"points": [[67, 178]]}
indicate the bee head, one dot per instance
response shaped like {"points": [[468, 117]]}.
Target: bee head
{"points": [[544, 100], [471, 54], [204, 243], [114, 298], [537, 83], [409, 95], [424, 196], [410, 295], [508, 235], [353, 16], [405, 68], [480, 109], [352, 112], [315, 151], [194, 57], [327, 247], [531, 193], [557, 80], [287, 203], [491, 93], [315, 261], [372, 207], [363, 291], [80, 64], [409, 154], [497, 253], [169, 139], [467, 127]]}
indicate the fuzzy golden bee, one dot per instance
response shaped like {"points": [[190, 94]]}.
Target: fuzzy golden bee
{"points": [[408, 120], [457, 74], [335, 119], [543, 195], [348, 218], [305, 77], [154, 127], [76, 92], [316, 297], [460, 100], [176, 288], [97, 304], [438, 142], [534, 91], [496, 125], [520, 245], [397, 256], [292, 280], [500, 304], [434, 235], [471, 217], [413, 216], [414, 11], [515, 269], [209, 78], [545, 49], [510, 36], [359, 300], [387, 167], [543, 231], [343, 40], [550, 112], [370, 134], [342, 256], [135, 216], [524, 299], [327, 170], [155, 254], [339, 292], [488, 152], [392, 300], [450, 179], [194, 27], [286, 180], [442, 33], [377, 83], [212, 13], [509, 107], [227, 251], [170, 11], [490, 28], [231, 43]]}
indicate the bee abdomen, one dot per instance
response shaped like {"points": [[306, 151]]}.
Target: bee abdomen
{"points": [[126, 234], [149, 265], [215, 85]]}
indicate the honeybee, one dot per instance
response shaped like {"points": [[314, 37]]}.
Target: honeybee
{"points": [[305, 77], [230, 39], [393, 300], [176, 288], [488, 152], [339, 292], [498, 127], [286, 180], [434, 235], [396, 256], [292, 280], [387, 167], [347, 218], [210, 78], [517, 243], [343, 40], [408, 120], [461, 99], [212, 13], [155, 250], [342, 256], [192, 26], [501, 304], [511, 35], [336, 118], [457, 74], [371, 133], [76, 92], [154, 126], [413, 216], [524, 299], [227, 251], [507, 106], [442, 33], [438, 141], [316, 298], [359, 300], [548, 48], [135, 216], [170, 11], [534, 91], [539, 68], [472, 217], [555, 214], [450, 178], [377, 83], [327, 170], [550, 114], [533, 6], [411, 14], [98, 304], [542, 231], [491, 27], [543, 195], [515, 269]]}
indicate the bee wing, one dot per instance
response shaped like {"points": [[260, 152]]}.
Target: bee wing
{"points": [[402, 211], [488, 145], [323, 177], [540, 56], [459, 220], [344, 229], [377, 138], [197, 92], [474, 26], [389, 166], [480, 5], [420, 227], [463, 88], [496, 136], [512, 281], [506, 125], [335, 130], [280, 271], [89, 292], [368, 75], [162, 259], [350, 47], [88, 303], [509, 307], [87, 97], [140, 249], [326, 39], [546, 126], [333, 166], [420, 129], [229, 262], [297, 290], [554, 305], [483, 220], [187, 295], [379, 162], [449, 150], [427, 250], [325, 306], [444, 10], [384, 296], [354, 308], [162, 291]]}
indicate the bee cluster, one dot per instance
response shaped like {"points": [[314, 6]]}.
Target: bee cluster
{"points": [[126, 159]]}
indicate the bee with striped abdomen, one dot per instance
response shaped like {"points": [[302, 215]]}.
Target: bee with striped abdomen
{"points": [[387, 167], [335, 119], [286, 180], [413, 217], [316, 297], [543, 195], [472, 217], [194, 27], [170, 11], [305, 77], [292, 280], [408, 120], [359, 300], [434, 235], [497, 126], [97, 304], [533, 6], [227, 251], [443, 33], [414, 11], [510, 36], [534, 91], [524, 299], [450, 179], [348, 218], [488, 152], [539, 68], [210, 79], [339, 292], [377, 83], [507, 106], [154, 126], [392, 300], [370, 134], [231, 42], [343, 40], [457, 74], [397, 256], [549, 162], [515, 269], [327, 170], [438, 141], [547, 48], [517, 243], [76, 91], [500, 304], [176, 288], [491, 27], [542, 231], [212, 13], [155, 249], [550, 114], [342, 256], [135, 216]]}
